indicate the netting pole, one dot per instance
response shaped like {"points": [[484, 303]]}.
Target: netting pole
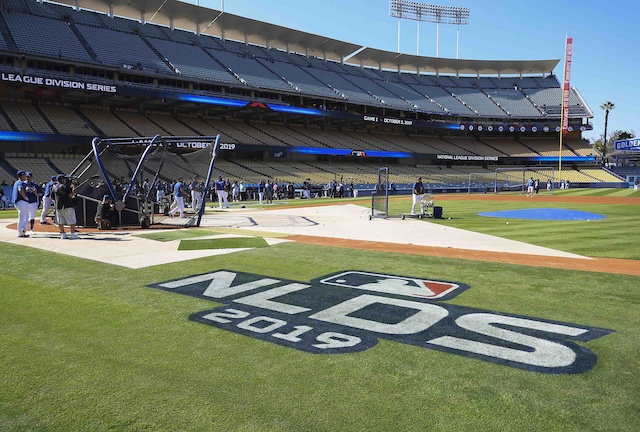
{"points": [[214, 156], [139, 167], [94, 144]]}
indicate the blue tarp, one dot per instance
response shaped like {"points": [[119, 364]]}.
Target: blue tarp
{"points": [[544, 214]]}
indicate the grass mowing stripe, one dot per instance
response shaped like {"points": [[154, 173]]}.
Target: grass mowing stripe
{"points": [[176, 234], [224, 243]]}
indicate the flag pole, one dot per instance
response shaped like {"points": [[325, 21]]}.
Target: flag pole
{"points": [[566, 92]]}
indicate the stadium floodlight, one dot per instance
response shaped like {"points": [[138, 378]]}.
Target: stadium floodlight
{"points": [[405, 9]]}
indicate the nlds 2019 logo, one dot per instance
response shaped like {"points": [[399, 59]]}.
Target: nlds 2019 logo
{"points": [[351, 310]]}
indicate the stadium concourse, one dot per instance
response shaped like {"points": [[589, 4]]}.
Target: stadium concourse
{"points": [[342, 225]]}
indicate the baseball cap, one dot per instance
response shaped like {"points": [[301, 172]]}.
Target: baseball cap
{"points": [[54, 177], [20, 173], [62, 177], [179, 178], [28, 174]]}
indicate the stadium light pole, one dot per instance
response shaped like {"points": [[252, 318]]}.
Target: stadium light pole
{"points": [[430, 13]]}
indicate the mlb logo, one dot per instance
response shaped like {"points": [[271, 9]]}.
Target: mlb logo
{"points": [[397, 285]]}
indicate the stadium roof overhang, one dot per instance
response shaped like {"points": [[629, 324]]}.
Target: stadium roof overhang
{"points": [[395, 61], [191, 17]]}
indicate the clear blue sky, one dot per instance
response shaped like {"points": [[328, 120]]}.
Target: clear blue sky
{"points": [[606, 40]]}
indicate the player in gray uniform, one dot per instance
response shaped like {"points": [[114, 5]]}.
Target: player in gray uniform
{"points": [[196, 189], [21, 203]]}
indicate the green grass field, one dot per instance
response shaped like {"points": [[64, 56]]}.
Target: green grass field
{"points": [[86, 346]]}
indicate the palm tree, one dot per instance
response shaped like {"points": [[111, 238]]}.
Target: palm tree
{"points": [[607, 106]]}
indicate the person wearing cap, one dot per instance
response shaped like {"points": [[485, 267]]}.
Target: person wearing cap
{"points": [[21, 202], [179, 192], [418, 190], [47, 199], [221, 190], [243, 191], [34, 192], [261, 191], [65, 209], [104, 210], [306, 188], [268, 192], [196, 187], [160, 187]]}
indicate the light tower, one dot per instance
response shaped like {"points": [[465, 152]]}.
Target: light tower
{"points": [[430, 13]]}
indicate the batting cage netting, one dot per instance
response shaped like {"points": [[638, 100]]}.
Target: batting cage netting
{"points": [[138, 175], [513, 179], [380, 197]]}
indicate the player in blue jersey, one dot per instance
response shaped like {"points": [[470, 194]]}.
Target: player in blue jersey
{"points": [[417, 191], [261, 191], [34, 192], [159, 191], [221, 190], [530, 187], [179, 192]]}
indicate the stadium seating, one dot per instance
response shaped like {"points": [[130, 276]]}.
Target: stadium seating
{"points": [[580, 147], [513, 102], [26, 118], [192, 61], [467, 145], [171, 125], [66, 121], [211, 64], [598, 174], [108, 43], [546, 147], [54, 38], [160, 50], [509, 146], [301, 80], [250, 71], [478, 102], [108, 124], [443, 99]]}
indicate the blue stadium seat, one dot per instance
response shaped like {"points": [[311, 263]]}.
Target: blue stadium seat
{"points": [[54, 38]]}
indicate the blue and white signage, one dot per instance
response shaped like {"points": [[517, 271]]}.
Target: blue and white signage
{"points": [[628, 144]]}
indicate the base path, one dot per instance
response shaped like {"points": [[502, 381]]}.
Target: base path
{"points": [[599, 265]]}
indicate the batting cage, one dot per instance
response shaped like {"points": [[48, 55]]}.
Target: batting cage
{"points": [[512, 179], [137, 176], [380, 197]]}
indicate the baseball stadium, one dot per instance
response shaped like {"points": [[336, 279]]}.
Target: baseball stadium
{"points": [[273, 230]]}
